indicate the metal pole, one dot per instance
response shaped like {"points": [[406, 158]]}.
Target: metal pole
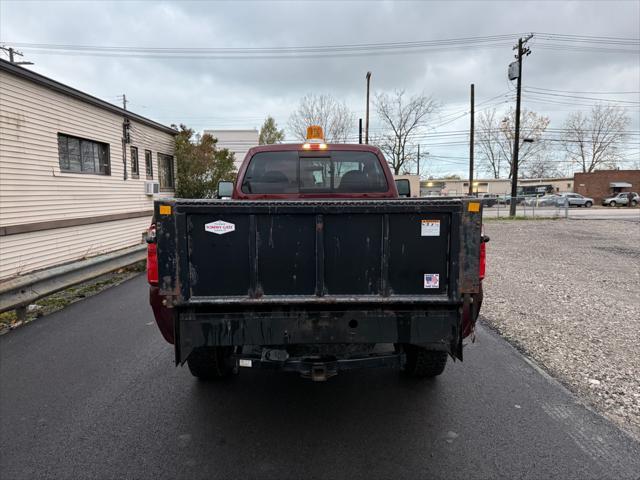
{"points": [[360, 130], [471, 144], [516, 141], [366, 127], [419, 163]]}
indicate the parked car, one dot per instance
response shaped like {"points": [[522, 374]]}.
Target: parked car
{"points": [[544, 201], [575, 200], [488, 199], [506, 200], [622, 199]]}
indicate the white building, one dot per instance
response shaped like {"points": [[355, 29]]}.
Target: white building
{"points": [[73, 170], [237, 141], [499, 186]]}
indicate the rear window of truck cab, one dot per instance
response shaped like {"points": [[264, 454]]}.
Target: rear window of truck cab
{"points": [[335, 171]]}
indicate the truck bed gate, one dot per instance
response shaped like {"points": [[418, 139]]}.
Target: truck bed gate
{"points": [[218, 258]]}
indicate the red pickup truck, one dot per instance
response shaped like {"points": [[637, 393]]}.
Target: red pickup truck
{"points": [[312, 262]]}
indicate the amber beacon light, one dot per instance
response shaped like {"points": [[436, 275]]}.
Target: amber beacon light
{"points": [[315, 138]]}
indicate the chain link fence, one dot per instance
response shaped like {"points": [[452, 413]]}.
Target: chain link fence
{"points": [[546, 206]]}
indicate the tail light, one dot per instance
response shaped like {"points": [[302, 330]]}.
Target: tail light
{"points": [[483, 253], [152, 256]]}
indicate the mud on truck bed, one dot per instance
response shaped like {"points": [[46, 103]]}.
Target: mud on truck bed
{"points": [[317, 286]]}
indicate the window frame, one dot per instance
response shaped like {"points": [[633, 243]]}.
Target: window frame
{"points": [[95, 143], [161, 157], [148, 164], [135, 165], [333, 189]]}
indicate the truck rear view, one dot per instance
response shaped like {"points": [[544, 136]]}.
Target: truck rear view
{"points": [[316, 284]]}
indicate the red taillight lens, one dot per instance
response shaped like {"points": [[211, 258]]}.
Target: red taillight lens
{"points": [[152, 256]]}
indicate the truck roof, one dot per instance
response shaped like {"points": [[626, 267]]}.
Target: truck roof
{"points": [[280, 147]]}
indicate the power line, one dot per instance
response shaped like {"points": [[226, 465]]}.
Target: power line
{"points": [[526, 89], [584, 92], [285, 49], [545, 41]]}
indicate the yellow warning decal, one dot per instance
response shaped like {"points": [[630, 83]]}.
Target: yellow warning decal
{"points": [[165, 209], [473, 206]]}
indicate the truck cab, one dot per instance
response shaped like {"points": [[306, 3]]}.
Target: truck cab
{"points": [[311, 262]]}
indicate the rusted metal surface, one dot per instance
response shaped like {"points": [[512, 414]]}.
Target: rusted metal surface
{"points": [[300, 271], [294, 326], [470, 238]]}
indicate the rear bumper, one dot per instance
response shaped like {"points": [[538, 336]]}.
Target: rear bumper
{"points": [[434, 328], [320, 369]]}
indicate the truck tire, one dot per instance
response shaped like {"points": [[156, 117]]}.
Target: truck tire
{"points": [[211, 363], [423, 363]]}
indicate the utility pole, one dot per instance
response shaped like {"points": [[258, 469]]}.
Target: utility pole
{"points": [[366, 124], [471, 144], [124, 101], [516, 141], [12, 53], [360, 130]]}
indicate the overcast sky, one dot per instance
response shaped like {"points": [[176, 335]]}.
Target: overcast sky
{"points": [[217, 93]]}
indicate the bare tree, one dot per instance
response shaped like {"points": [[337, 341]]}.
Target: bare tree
{"points": [[542, 166], [592, 141], [334, 117], [495, 141], [402, 118], [487, 137]]}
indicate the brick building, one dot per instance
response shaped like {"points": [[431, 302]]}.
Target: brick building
{"points": [[605, 183]]}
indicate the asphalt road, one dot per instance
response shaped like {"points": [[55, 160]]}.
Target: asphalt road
{"points": [[91, 392]]}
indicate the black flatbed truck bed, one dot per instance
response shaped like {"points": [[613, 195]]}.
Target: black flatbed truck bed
{"points": [[295, 275]]}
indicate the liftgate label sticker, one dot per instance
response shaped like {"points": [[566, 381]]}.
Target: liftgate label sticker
{"points": [[219, 227], [431, 280], [430, 228]]}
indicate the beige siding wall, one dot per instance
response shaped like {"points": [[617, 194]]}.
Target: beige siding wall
{"points": [[33, 189], [26, 252]]}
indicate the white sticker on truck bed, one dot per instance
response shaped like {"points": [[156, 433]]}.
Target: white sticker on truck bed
{"points": [[431, 280], [219, 227], [430, 228]]}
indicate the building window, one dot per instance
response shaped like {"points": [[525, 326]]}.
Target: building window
{"points": [[165, 170], [79, 155], [135, 168], [148, 164]]}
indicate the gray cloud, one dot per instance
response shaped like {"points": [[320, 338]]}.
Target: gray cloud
{"points": [[240, 93]]}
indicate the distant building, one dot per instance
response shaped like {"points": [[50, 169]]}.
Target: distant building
{"points": [[499, 186], [74, 170], [237, 141], [606, 183]]}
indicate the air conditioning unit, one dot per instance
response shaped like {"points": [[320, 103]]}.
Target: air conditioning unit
{"points": [[151, 187]]}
